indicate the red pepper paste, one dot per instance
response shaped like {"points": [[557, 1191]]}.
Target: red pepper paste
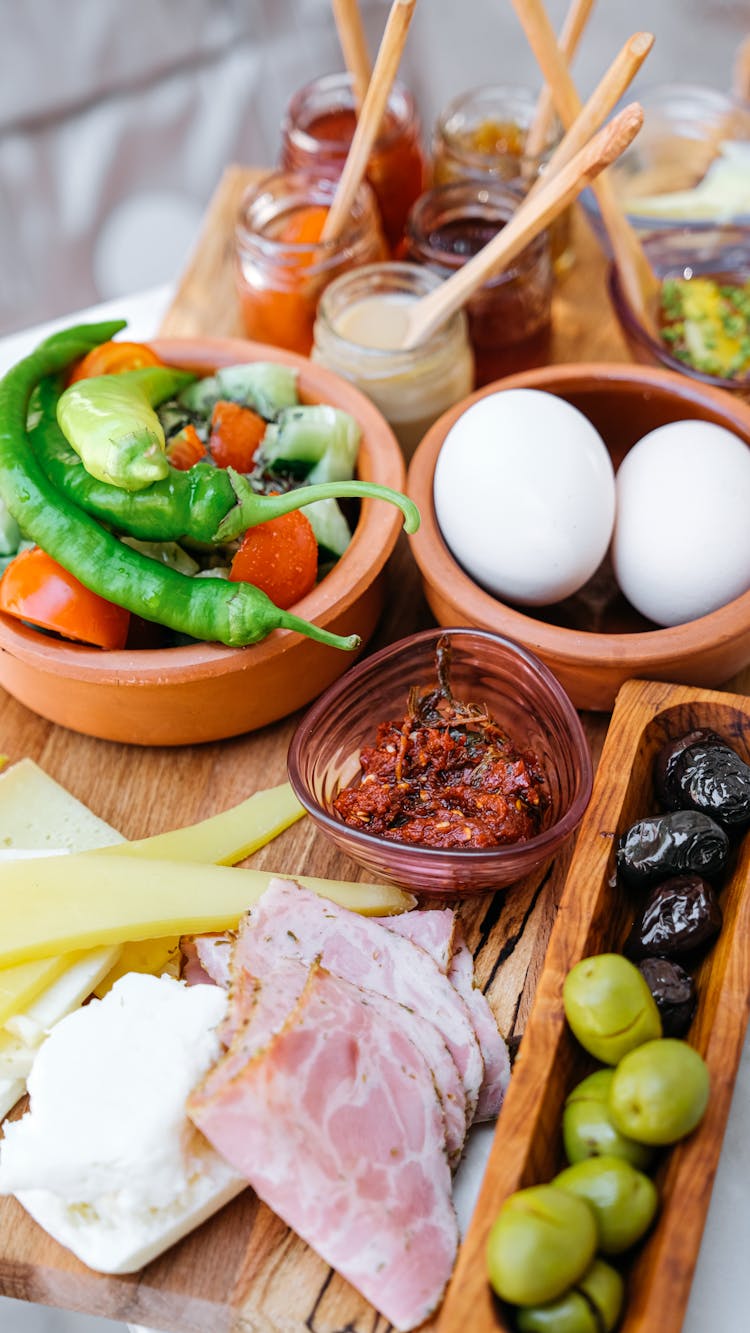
{"points": [[445, 776]]}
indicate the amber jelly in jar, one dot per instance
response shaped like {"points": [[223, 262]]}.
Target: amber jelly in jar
{"points": [[317, 130], [482, 135], [510, 316], [281, 264], [361, 321]]}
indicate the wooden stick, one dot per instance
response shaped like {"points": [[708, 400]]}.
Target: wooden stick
{"points": [[371, 115], [554, 195], [570, 35], [639, 282], [353, 42], [604, 98], [741, 71]]}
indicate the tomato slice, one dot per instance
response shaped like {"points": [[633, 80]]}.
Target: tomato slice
{"points": [[36, 589], [280, 557], [112, 358], [236, 433], [185, 449]]}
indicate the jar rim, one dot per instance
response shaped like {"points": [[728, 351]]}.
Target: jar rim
{"points": [[382, 359], [500, 199], [340, 86], [300, 190], [450, 136]]}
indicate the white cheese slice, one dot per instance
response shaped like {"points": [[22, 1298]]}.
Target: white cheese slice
{"points": [[106, 1159], [39, 817]]}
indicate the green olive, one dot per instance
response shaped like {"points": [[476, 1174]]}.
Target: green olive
{"points": [[659, 1092], [588, 1130], [592, 1306], [609, 1006], [624, 1201], [542, 1241]]}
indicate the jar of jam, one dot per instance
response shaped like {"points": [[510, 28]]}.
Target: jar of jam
{"points": [[317, 130], [482, 134], [282, 266], [510, 316], [361, 322]]}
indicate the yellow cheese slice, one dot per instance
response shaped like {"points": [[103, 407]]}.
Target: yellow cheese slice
{"points": [[55, 904]]}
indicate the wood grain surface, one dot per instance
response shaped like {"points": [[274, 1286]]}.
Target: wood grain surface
{"points": [[244, 1272]]}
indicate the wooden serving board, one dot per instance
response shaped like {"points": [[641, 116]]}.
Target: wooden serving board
{"points": [[594, 917], [244, 1272]]}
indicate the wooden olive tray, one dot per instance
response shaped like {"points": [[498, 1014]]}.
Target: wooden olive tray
{"points": [[244, 1271], [594, 917]]}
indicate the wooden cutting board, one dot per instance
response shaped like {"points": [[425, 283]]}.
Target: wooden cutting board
{"points": [[244, 1271]]}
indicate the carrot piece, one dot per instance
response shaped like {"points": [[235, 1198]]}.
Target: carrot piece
{"points": [[185, 449], [236, 433]]}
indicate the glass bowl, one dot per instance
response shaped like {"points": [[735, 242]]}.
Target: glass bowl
{"points": [[684, 253], [683, 128], [520, 693]]}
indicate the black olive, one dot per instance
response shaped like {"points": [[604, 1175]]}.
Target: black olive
{"points": [[714, 779], [678, 917], [681, 842], [667, 789], [674, 991]]}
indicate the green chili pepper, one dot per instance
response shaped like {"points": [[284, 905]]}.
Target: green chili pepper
{"points": [[111, 423], [206, 504], [232, 613]]}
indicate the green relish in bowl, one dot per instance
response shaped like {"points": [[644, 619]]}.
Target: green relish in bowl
{"points": [[705, 323]]}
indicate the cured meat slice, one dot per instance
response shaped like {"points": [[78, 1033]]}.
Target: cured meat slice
{"points": [[440, 934], [337, 1126], [192, 970], [277, 989], [289, 921], [215, 953], [494, 1049]]}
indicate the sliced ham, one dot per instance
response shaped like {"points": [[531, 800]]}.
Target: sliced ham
{"points": [[440, 934], [338, 1127], [277, 987], [214, 954], [289, 921], [192, 970]]}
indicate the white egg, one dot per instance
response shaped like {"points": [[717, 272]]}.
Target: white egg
{"points": [[525, 495], [682, 532]]}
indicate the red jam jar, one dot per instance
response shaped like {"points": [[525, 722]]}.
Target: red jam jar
{"points": [[510, 316], [282, 267], [317, 130]]}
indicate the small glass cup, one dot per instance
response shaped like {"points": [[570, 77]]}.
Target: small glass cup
{"points": [[317, 130], [280, 281], [411, 387], [510, 316], [481, 135], [719, 252], [521, 694]]}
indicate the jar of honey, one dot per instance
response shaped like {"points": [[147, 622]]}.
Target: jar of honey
{"points": [[361, 322], [282, 266], [482, 134], [510, 316], [317, 130]]}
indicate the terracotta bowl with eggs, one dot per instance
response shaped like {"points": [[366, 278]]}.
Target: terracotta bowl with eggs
{"points": [[593, 639]]}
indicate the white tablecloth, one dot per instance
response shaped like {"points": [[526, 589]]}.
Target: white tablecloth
{"points": [[720, 1298]]}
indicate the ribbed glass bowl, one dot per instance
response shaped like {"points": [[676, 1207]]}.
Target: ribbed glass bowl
{"points": [[523, 697]]}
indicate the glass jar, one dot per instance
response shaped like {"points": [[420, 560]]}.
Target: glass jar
{"points": [[282, 268], [317, 130], [510, 316], [360, 317], [481, 134]]}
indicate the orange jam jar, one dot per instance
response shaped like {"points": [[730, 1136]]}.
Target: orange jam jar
{"points": [[281, 265], [317, 130], [482, 135], [510, 316]]}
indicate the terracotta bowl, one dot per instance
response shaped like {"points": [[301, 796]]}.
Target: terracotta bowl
{"points": [[179, 696], [595, 640]]}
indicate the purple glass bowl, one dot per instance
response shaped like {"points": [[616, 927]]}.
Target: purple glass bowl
{"points": [[520, 693], [679, 253]]}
